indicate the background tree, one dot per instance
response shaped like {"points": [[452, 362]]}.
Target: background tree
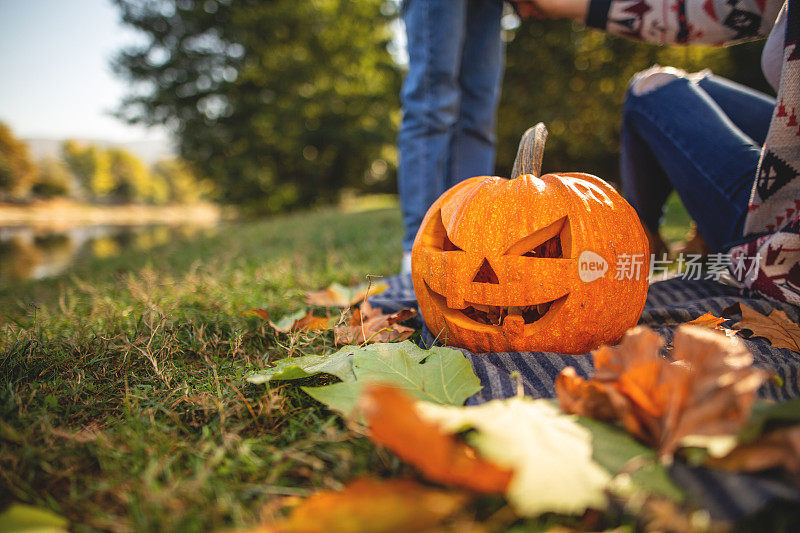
{"points": [[130, 176], [280, 103], [184, 187], [91, 165], [53, 179], [17, 170], [159, 191]]}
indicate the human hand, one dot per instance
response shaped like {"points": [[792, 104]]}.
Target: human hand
{"points": [[527, 9], [539, 9]]}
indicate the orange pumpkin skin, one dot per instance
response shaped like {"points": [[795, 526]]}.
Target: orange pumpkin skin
{"points": [[505, 223]]}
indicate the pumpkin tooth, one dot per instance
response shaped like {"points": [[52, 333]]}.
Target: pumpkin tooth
{"points": [[513, 325]]}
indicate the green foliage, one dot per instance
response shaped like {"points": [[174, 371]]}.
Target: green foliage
{"points": [[91, 165], [17, 171], [131, 176], [183, 186], [574, 79], [53, 179], [118, 175], [279, 103]]}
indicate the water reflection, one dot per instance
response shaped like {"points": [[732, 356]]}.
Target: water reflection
{"points": [[33, 253]]}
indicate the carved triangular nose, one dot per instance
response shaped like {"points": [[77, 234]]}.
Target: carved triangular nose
{"points": [[485, 274]]}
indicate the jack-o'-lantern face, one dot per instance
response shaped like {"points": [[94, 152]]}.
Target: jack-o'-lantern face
{"points": [[530, 264]]}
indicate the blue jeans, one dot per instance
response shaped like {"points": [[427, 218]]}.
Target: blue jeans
{"points": [[449, 99], [704, 141]]}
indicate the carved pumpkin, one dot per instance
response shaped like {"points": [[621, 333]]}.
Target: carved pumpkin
{"points": [[533, 263]]}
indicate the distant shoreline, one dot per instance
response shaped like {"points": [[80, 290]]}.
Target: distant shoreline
{"points": [[65, 214]]}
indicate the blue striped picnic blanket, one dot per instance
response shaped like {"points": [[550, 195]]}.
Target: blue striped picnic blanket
{"points": [[727, 496]]}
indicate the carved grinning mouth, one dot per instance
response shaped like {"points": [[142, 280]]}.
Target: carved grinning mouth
{"points": [[496, 315]]}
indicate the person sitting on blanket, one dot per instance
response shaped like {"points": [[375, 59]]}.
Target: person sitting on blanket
{"points": [[732, 154]]}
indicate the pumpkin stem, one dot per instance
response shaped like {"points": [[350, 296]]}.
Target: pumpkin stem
{"points": [[530, 152]]}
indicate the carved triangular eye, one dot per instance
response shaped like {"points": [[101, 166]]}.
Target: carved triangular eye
{"points": [[449, 246], [549, 248], [546, 242], [434, 235]]}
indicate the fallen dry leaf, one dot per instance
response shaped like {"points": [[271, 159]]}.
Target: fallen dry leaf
{"points": [[658, 515], [777, 328], [707, 320], [393, 422], [311, 323], [778, 448], [293, 323], [707, 389], [550, 453], [372, 506], [337, 295], [261, 313], [370, 325]]}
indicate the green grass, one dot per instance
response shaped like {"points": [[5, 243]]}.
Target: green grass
{"points": [[675, 224], [122, 400], [122, 403]]}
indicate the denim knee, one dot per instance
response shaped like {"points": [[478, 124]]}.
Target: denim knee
{"points": [[655, 77], [429, 106]]}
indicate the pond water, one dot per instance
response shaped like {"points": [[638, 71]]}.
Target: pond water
{"points": [[34, 253]]}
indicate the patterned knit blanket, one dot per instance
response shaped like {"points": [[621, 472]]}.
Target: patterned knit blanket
{"points": [[726, 496]]}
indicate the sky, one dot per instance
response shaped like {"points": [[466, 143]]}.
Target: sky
{"points": [[55, 77]]}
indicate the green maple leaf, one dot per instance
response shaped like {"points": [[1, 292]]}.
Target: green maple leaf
{"points": [[439, 375], [339, 363], [618, 452], [445, 376]]}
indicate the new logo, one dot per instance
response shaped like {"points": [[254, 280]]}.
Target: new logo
{"points": [[591, 266]]}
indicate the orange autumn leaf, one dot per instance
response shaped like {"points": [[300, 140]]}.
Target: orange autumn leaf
{"points": [[311, 323], [777, 328], [710, 321], [372, 506], [307, 322], [707, 388], [261, 313], [393, 422], [707, 320], [370, 325]]}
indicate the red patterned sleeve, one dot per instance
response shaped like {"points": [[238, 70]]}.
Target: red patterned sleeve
{"points": [[711, 22]]}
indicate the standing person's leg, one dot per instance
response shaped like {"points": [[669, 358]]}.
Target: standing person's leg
{"points": [[472, 150], [675, 135], [430, 97]]}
